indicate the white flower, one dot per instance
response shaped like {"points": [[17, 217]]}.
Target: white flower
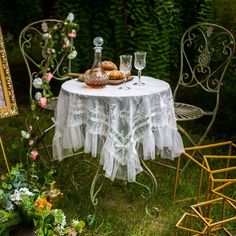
{"points": [[63, 222], [37, 82], [10, 207], [25, 134], [47, 36], [38, 95], [60, 218], [44, 26], [26, 191], [16, 197], [72, 55], [66, 41], [70, 17]]}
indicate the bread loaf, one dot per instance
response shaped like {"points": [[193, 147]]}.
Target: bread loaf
{"points": [[115, 74], [87, 72], [109, 65], [111, 70]]}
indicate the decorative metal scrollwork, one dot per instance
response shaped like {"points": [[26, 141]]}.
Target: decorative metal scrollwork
{"points": [[204, 59], [206, 51]]}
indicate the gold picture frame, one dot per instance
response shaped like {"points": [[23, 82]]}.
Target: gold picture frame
{"points": [[8, 105]]}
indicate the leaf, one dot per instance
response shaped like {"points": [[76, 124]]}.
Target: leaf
{"points": [[4, 185], [49, 219], [9, 186], [1, 193], [80, 226]]}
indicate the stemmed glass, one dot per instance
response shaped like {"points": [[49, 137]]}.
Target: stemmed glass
{"points": [[125, 67], [139, 64]]}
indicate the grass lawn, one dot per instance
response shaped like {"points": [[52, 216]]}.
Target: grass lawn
{"points": [[120, 209]]}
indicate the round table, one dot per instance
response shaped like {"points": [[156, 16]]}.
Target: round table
{"points": [[120, 125]]}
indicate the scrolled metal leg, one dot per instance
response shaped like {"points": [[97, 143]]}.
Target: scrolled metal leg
{"points": [[93, 191], [74, 175], [154, 212]]}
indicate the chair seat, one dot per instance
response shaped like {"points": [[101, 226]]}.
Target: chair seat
{"points": [[51, 104], [185, 112]]}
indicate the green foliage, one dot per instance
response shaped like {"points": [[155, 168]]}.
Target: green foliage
{"points": [[127, 26], [223, 13], [22, 200], [226, 10], [18, 178], [15, 14], [83, 41], [118, 21], [7, 220], [166, 44], [208, 11]]}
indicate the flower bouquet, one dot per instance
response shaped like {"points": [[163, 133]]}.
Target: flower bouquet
{"points": [[23, 201]]}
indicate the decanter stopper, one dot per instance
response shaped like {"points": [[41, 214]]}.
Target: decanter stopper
{"points": [[97, 77], [98, 42]]}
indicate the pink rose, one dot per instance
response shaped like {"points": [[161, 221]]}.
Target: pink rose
{"points": [[33, 155], [30, 128], [48, 76], [72, 34], [31, 142], [42, 102]]}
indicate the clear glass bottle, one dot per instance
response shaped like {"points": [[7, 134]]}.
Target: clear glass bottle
{"points": [[97, 77]]}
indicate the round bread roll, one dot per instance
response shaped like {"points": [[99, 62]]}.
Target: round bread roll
{"points": [[87, 72], [115, 74], [109, 65]]}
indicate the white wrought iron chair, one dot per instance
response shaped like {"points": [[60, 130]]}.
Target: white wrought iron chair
{"points": [[46, 49], [206, 51]]}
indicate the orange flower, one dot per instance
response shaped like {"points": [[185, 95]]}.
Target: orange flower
{"points": [[42, 204]]}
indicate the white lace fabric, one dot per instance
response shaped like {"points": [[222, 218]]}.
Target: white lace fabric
{"points": [[119, 126]]}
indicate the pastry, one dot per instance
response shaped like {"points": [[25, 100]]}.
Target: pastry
{"points": [[109, 65]]}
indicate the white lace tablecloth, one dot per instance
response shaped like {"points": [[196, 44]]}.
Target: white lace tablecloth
{"points": [[119, 125]]}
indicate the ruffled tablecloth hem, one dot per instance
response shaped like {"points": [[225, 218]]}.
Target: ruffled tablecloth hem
{"points": [[163, 141]]}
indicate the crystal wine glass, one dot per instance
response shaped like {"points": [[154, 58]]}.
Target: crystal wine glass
{"points": [[125, 67], [139, 64]]}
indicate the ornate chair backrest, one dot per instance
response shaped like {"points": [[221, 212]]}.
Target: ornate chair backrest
{"points": [[206, 51], [45, 49]]}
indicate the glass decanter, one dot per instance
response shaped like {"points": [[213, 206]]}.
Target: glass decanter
{"points": [[97, 77]]}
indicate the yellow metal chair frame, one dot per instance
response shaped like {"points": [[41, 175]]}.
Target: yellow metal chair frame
{"points": [[213, 178], [206, 51], [204, 210], [203, 213], [187, 222], [203, 163], [218, 191]]}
